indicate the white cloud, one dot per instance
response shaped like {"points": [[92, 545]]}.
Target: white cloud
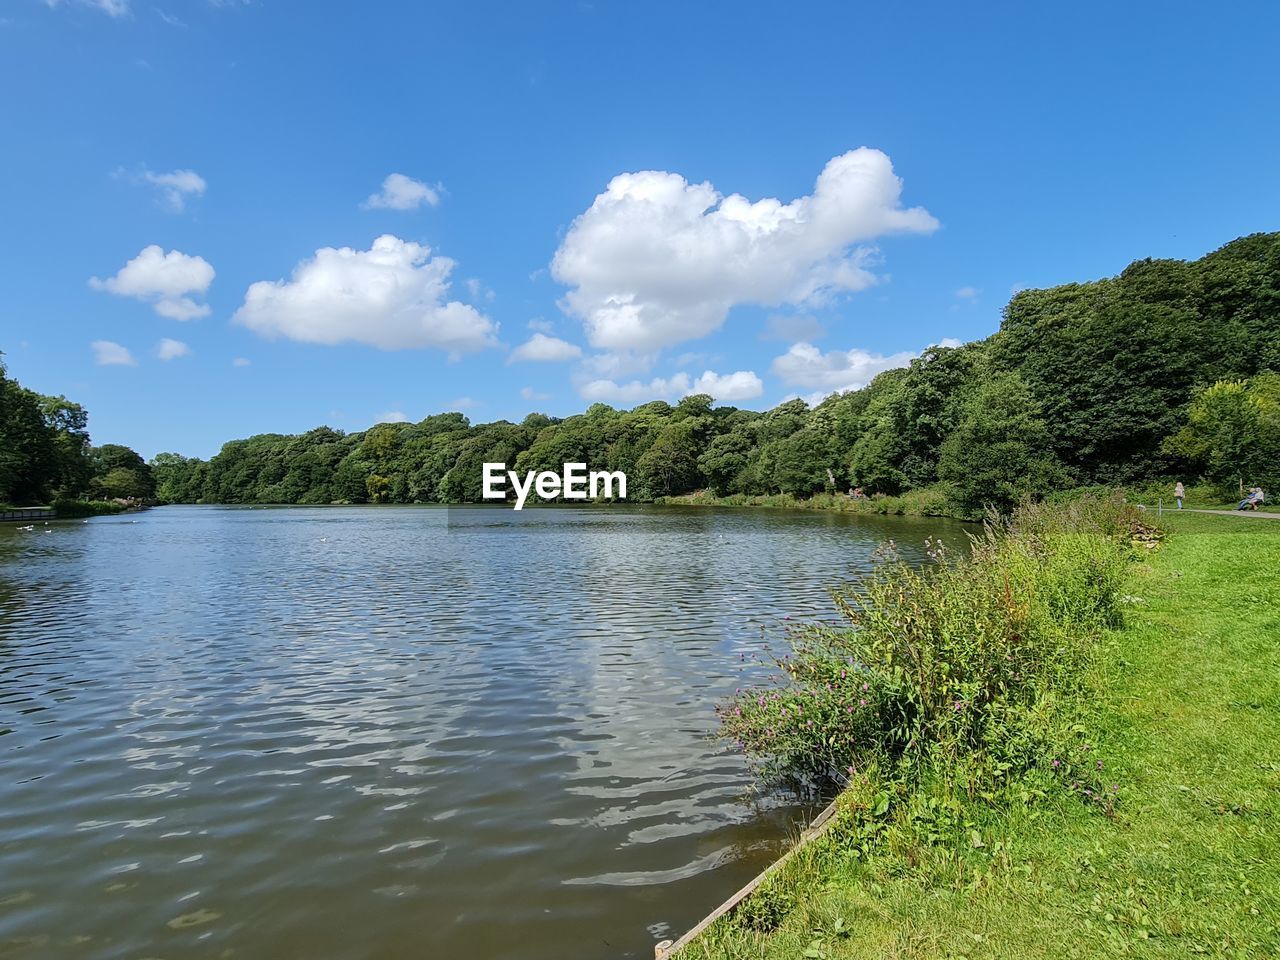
{"points": [[402, 193], [170, 19], [539, 325], [729, 387], [613, 366], [242, 362], [112, 8], [168, 349], [392, 416], [740, 385], [659, 388], [531, 394], [543, 349], [176, 186], [391, 296], [107, 353], [463, 403], [967, 293], [657, 260], [163, 280], [804, 365]]}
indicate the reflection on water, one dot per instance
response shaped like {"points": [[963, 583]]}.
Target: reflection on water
{"points": [[389, 732]]}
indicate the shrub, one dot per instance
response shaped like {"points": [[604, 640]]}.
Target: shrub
{"points": [[87, 508], [960, 669]]}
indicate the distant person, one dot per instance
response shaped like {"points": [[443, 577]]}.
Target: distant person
{"points": [[1179, 491], [1253, 500]]}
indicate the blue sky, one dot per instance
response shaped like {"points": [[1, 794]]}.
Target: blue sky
{"points": [[564, 172]]}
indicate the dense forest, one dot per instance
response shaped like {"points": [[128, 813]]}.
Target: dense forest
{"points": [[1170, 369]]}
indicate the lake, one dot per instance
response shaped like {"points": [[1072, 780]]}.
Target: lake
{"points": [[391, 732]]}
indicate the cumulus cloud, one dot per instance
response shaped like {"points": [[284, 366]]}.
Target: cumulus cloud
{"points": [[242, 362], [728, 387], [168, 349], [107, 353], [392, 416], [164, 280], [402, 193], [657, 260], [967, 293], [176, 186], [531, 394], [804, 365], [616, 366], [659, 388], [392, 296], [541, 348], [836, 371]]}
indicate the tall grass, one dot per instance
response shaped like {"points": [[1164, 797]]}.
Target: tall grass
{"points": [[962, 671], [924, 502], [66, 507]]}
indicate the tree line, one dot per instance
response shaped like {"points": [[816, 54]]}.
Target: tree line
{"points": [[1170, 369]]}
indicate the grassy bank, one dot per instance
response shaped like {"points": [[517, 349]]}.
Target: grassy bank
{"points": [[933, 501], [1180, 706], [925, 502]]}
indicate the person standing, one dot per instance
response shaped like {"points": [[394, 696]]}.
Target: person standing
{"points": [[1179, 491]]}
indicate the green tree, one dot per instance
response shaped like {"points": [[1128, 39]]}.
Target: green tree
{"points": [[29, 451], [670, 465], [1000, 452], [1232, 432]]}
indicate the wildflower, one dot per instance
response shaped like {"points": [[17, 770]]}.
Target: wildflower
{"points": [[1099, 764], [1057, 762], [862, 701]]}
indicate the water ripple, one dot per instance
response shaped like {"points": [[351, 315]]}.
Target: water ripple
{"points": [[385, 733]]}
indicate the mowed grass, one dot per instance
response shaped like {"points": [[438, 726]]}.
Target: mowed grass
{"points": [[1186, 718]]}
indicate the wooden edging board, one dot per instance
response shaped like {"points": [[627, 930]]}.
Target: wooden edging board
{"points": [[668, 948]]}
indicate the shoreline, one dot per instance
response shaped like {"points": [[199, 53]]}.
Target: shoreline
{"points": [[1002, 885]]}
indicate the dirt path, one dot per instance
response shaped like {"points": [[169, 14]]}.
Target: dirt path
{"points": [[1231, 513]]}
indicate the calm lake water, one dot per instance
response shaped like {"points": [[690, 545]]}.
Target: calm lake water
{"points": [[390, 732]]}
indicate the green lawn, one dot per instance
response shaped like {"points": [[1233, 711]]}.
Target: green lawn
{"points": [[1187, 716]]}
